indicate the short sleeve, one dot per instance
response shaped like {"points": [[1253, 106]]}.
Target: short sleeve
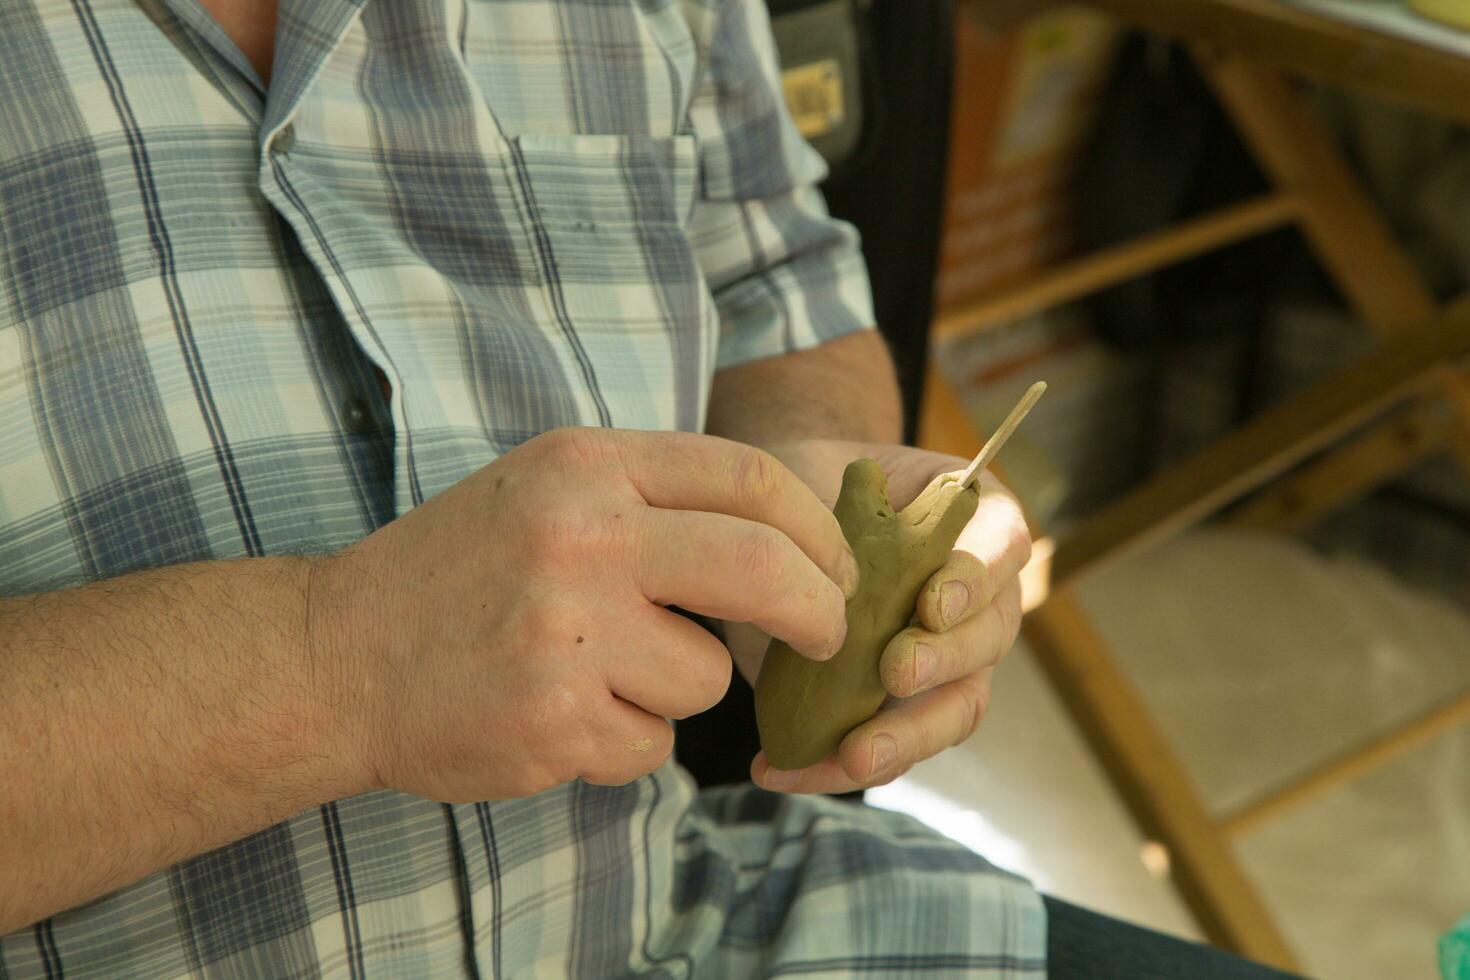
{"points": [[786, 275]]}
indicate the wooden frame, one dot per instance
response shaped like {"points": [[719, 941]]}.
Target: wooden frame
{"points": [[1118, 264], [1406, 400], [1267, 447], [1352, 763], [1276, 36]]}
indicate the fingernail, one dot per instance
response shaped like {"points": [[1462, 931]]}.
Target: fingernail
{"points": [[925, 664], [782, 778], [885, 751], [953, 598], [849, 575]]}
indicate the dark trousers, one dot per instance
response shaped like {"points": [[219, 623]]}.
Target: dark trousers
{"points": [[1082, 945]]}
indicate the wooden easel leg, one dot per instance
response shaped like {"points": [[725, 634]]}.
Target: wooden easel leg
{"points": [[1381, 285], [1344, 229], [1369, 460], [1352, 764], [1151, 781]]}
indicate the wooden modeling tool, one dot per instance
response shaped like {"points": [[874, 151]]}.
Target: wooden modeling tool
{"points": [[993, 446]]}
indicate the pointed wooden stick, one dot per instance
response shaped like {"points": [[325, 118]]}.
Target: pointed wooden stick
{"points": [[993, 447]]}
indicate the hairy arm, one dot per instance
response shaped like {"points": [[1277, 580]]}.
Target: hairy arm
{"points": [[152, 717], [843, 389]]}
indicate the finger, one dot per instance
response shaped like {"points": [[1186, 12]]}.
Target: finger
{"points": [[626, 744], [903, 732], [909, 730], [686, 471], [989, 555], [667, 665], [917, 660], [747, 646], [738, 570], [827, 776]]}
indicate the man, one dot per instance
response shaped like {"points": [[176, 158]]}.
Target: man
{"points": [[351, 360]]}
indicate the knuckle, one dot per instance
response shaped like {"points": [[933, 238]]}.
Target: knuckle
{"points": [[714, 681], [574, 446], [660, 751], [588, 456], [557, 716], [976, 699], [757, 478], [759, 557], [1019, 541], [534, 780], [704, 678], [625, 762]]}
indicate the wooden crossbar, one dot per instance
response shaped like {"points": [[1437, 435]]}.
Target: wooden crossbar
{"points": [[1267, 446], [1118, 263], [1355, 762]]}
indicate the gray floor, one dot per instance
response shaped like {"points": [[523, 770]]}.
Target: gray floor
{"points": [[1259, 659]]}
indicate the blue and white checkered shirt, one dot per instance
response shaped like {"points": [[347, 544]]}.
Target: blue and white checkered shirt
{"points": [[522, 214]]}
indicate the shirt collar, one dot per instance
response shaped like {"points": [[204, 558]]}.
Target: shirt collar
{"points": [[193, 15], [307, 32]]}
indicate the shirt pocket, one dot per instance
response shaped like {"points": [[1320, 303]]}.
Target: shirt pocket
{"points": [[609, 216]]}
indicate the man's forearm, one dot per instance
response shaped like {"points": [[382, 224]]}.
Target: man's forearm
{"points": [[844, 389], [152, 717]]}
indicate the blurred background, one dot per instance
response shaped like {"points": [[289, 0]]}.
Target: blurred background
{"points": [[1229, 234]]}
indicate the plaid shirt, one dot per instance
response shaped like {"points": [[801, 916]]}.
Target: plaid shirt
{"points": [[523, 214]]}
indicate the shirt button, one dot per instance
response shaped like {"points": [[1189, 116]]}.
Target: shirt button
{"points": [[285, 136], [356, 418]]}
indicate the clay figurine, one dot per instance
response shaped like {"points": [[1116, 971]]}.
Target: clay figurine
{"points": [[805, 707]]}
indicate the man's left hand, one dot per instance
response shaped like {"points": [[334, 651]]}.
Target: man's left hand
{"points": [[938, 671]]}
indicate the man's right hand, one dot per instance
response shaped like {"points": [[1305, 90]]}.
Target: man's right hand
{"points": [[511, 634]]}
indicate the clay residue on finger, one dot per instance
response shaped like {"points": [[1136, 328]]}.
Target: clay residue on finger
{"points": [[641, 745]]}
